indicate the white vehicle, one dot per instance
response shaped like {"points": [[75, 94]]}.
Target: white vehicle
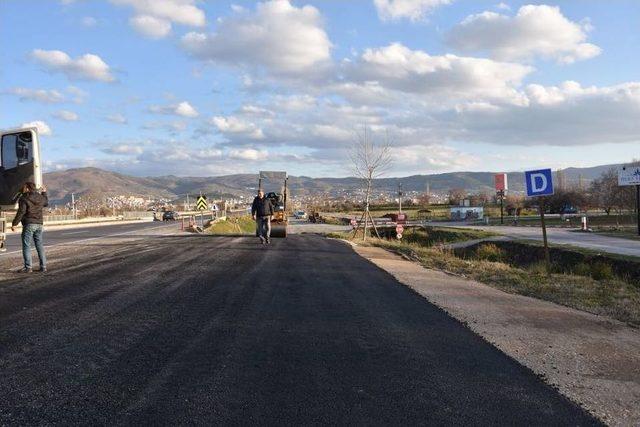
{"points": [[300, 215], [19, 163]]}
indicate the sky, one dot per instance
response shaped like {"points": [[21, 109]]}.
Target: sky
{"points": [[203, 88]]}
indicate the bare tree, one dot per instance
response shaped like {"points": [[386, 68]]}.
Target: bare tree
{"points": [[608, 195], [370, 161]]}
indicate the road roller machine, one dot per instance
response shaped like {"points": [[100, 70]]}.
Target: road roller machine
{"points": [[274, 185]]}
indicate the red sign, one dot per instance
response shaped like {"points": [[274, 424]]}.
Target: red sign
{"points": [[354, 223], [500, 180], [399, 229], [401, 218]]}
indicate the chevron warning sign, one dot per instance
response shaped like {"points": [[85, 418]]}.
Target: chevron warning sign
{"points": [[201, 203]]}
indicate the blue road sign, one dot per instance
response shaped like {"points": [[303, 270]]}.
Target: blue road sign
{"points": [[539, 182]]}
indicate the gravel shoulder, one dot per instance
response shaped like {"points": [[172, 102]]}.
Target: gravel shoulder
{"points": [[595, 361]]}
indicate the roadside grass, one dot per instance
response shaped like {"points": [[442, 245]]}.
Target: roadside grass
{"points": [[630, 233], [426, 235], [591, 288], [430, 236], [241, 225]]}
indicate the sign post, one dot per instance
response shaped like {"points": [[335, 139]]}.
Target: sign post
{"points": [[539, 183], [500, 181], [630, 175]]}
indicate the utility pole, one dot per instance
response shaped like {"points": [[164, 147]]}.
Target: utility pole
{"points": [[400, 198], [188, 206], [73, 205], [638, 207]]}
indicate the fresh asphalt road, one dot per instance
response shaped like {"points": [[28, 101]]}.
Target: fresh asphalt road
{"points": [[59, 236], [204, 330]]}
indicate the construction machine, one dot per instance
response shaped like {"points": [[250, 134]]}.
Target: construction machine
{"points": [[19, 163], [274, 185]]}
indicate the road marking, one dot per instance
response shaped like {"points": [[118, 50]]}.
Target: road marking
{"points": [[75, 232]]}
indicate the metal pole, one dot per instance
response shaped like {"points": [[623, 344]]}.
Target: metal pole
{"points": [[501, 207], [400, 198], [547, 258], [638, 207], [73, 205]]}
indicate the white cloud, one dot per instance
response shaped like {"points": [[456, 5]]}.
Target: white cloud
{"points": [[535, 31], [78, 94], [278, 36], [85, 67], [565, 115], [124, 149], [48, 96], [89, 21], [66, 115], [248, 154], [235, 125], [441, 79], [154, 18], [414, 10], [431, 157], [179, 11], [117, 118], [150, 26], [43, 127], [183, 109]]}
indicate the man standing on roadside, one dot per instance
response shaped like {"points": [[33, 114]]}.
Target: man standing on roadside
{"points": [[30, 208], [262, 211]]}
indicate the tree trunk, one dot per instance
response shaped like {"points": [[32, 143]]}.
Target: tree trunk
{"points": [[366, 208]]}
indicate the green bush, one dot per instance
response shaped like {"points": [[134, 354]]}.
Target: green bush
{"points": [[490, 252], [582, 269], [601, 271]]}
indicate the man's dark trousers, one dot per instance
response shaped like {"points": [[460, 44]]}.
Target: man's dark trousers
{"points": [[263, 226]]}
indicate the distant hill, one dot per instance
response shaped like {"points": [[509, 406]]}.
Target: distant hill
{"points": [[99, 182]]}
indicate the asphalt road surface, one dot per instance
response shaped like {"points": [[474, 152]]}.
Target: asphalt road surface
{"points": [[220, 330], [57, 236]]}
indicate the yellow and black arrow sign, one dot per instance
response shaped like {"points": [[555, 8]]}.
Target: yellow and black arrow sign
{"points": [[201, 203]]}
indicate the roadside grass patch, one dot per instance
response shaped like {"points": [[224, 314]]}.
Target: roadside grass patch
{"points": [[592, 287], [241, 225], [490, 252]]}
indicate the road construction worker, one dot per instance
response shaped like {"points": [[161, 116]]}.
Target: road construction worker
{"points": [[30, 206], [262, 212]]}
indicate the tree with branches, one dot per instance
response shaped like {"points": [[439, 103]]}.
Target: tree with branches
{"points": [[370, 161]]}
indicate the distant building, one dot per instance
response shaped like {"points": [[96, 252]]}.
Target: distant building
{"points": [[466, 213]]}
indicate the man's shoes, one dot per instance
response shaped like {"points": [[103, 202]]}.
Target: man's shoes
{"points": [[26, 270], [43, 269], [262, 240], [268, 242]]}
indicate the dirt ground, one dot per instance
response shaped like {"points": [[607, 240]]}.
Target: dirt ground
{"points": [[595, 361]]}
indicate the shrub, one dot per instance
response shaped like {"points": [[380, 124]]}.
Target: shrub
{"points": [[601, 271], [582, 269], [538, 268], [490, 252]]}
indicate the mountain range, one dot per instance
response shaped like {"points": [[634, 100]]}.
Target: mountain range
{"points": [[100, 183]]}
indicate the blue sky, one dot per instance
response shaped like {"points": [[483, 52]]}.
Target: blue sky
{"points": [[191, 87]]}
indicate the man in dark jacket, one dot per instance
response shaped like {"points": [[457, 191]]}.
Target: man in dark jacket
{"points": [[262, 211], [30, 208]]}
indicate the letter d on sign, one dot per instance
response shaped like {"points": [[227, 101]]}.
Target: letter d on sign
{"points": [[538, 182], [538, 178]]}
